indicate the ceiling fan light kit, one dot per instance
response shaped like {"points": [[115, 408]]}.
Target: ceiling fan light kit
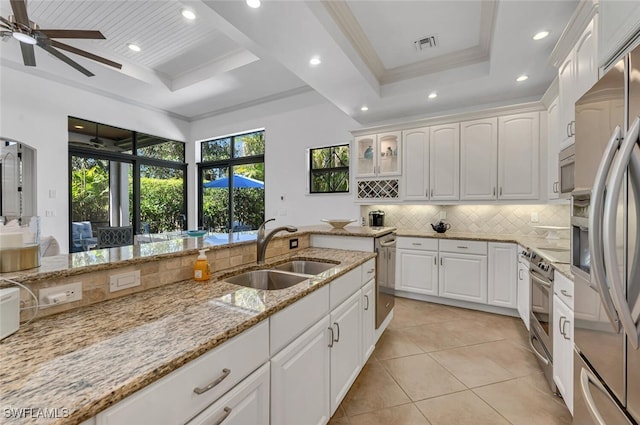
{"points": [[29, 34]]}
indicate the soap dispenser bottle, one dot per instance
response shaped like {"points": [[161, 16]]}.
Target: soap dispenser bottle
{"points": [[201, 270]]}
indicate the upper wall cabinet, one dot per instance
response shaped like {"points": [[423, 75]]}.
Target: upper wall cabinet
{"points": [[378, 155], [618, 22], [444, 162], [553, 149], [518, 156], [416, 164], [479, 159], [577, 73]]}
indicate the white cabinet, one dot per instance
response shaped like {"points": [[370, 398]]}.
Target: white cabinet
{"points": [[463, 270], [346, 359], [378, 155], [618, 22], [444, 162], [368, 304], [417, 271], [518, 156], [247, 403], [566, 100], [563, 350], [300, 379], [503, 273], [416, 164], [553, 149], [478, 159], [524, 289]]}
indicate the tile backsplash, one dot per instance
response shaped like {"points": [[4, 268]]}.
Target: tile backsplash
{"points": [[508, 219]]}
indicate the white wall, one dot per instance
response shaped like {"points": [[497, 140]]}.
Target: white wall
{"points": [[34, 111], [292, 125]]}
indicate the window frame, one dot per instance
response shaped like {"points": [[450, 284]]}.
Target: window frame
{"points": [[330, 170]]}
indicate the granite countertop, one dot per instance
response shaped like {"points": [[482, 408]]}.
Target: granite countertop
{"points": [[87, 359], [350, 230], [530, 242]]}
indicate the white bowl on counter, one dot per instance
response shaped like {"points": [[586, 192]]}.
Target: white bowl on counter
{"points": [[338, 223]]}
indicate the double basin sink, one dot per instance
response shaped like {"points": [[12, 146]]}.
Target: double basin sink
{"points": [[281, 276]]}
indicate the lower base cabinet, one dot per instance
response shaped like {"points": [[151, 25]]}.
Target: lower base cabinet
{"points": [[563, 350], [368, 319], [463, 277], [247, 403], [417, 271], [300, 379]]}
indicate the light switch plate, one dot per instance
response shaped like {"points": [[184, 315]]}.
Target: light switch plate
{"points": [[120, 281]]}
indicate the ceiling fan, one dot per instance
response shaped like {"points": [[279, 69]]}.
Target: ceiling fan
{"points": [[29, 34]]}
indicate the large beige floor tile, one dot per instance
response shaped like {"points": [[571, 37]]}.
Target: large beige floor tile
{"points": [[407, 313], [339, 421], [463, 408], [469, 332], [522, 403], [373, 389], [393, 343], [407, 414], [422, 377], [433, 337]]}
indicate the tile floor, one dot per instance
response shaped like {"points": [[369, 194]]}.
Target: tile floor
{"points": [[440, 365]]}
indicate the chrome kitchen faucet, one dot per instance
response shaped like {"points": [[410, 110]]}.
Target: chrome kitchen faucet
{"points": [[263, 239]]}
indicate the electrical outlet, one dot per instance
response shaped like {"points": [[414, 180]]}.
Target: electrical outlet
{"points": [[293, 243], [534, 217], [443, 215], [60, 294], [120, 281]]}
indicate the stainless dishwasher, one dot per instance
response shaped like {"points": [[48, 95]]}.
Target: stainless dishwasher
{"points": [[385, 247]]}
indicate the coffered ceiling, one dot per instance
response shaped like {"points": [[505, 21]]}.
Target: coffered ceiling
{"points": [[232, 56]]}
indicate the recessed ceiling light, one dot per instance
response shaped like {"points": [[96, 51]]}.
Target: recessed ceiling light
{"points": [[188, 14], [24, 38], [134, 47], [253, 3], [364, 108], [541, 35], [433, 95], [522, 78], [78, 126], [315, 61]]}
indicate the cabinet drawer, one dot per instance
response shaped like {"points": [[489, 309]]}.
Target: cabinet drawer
{"points": [[344, 286], [368, 270], [422, 244], [463, 247], [287, 324], [173, 399], [563, 288]]}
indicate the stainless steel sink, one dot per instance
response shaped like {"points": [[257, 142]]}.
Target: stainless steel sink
{"points": [[305, 267], [266, 279]]}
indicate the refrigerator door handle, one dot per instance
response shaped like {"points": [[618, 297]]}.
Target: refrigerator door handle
{"points": [[595, 230], [609, 232], [586, 377]]}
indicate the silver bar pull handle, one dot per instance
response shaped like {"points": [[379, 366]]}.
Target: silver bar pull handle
{"points": [[542, 358], [609, 232], [500, 190], [565, 293], [366, 307], [462, 247], [416, 243], [586, 377], [331, 337], [435, 260], [561, 325], [227, 412], [520, 276], [563, 332], [494, 191], [440, 260], [225, 372], [337, 325]]}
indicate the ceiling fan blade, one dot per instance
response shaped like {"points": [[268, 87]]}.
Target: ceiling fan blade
{"points": [[66, 59], [96, 58], [28, 56], [20, 12], [73, 34]]}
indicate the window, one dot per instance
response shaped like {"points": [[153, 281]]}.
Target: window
{"points": [[329, 169], [121, 177], [231, 183]]}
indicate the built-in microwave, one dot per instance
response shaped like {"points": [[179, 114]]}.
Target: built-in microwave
{"points": [[566, 172]]}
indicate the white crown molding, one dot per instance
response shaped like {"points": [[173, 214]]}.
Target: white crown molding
{"points": [[585, 11], [345, 20], [552, 92]]}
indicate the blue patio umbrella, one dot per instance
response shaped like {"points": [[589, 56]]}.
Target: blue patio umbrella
{"points": [[239, 181]]}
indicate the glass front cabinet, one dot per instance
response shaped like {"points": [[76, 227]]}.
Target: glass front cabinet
{"points": [[378, 155]]}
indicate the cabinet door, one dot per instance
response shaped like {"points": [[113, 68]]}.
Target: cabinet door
{"points": [[524, 292], [586, 68], [367, 152], [518, 156], [566, 98], [368, 304], [563, 350], [390, 154], [478, 159], [416, 163], [247, 403], [300, 373], [503, 275], [346, 358], [553, 149], [418, 271], [444, 162], [463, 277]]}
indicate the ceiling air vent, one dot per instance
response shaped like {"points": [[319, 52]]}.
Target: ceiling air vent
{"points": [[427, 42]]}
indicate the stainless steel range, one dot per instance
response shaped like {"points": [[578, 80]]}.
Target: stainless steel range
{"points": [[385, 246], [541, 315]]}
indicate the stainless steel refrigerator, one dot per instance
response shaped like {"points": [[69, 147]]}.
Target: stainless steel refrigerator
{"points": [[605, 258]]}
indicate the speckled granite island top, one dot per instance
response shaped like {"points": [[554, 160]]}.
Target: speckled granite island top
{"points": [[88, 359]]}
